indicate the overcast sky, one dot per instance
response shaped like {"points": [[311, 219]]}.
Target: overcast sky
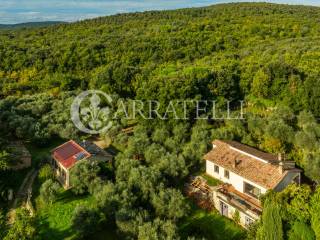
{"points": [[17, 11]]}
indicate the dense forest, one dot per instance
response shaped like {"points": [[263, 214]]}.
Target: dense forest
{"points": [[265, 54], [28, 25]]}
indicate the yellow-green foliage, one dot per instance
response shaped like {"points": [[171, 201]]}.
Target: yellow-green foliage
{"points": [[315, 210], [267, 50]]}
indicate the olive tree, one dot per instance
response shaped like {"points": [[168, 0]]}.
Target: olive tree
{"points": [[49, 191]]}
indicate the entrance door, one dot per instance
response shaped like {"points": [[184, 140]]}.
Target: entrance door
{"points": [[223, 209]]}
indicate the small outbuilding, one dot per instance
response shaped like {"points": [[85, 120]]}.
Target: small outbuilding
{"points": [[67, 155]]}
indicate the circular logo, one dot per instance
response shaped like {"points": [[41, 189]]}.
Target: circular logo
{"points": [[87, 114]]}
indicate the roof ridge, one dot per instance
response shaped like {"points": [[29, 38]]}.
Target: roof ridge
{"points": [[78, 145], [250, 150], [61, 145], [66, 153]]}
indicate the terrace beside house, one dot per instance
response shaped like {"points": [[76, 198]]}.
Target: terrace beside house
{"points": [[246, 174], [67, 155]]}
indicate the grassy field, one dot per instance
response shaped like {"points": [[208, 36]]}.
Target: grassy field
{"points": [[210, 225], [54, 221]]}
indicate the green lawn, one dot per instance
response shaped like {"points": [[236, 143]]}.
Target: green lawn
{"points": [[54, 221], [210, 180], [210, 225]]}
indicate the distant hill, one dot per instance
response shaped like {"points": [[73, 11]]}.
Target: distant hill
{"points": [[29, 25], [230, 50]]}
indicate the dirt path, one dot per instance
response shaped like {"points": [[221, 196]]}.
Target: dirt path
{"points": [[22, 194]]}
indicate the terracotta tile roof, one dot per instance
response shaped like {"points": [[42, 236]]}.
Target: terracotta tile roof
{"points": [[254, 165], [69, 153], [250, 150]]}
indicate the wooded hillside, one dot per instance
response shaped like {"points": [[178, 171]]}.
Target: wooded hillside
{"points": [[265, 54], [264, 50]]}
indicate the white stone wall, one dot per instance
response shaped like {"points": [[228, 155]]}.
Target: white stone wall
{"points": [[235, 180], [231, 211]]}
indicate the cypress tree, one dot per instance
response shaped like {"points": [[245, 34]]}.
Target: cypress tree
{"points": [[272, 222]]}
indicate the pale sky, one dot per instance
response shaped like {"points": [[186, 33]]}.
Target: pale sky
{"points": [[17, 11]]}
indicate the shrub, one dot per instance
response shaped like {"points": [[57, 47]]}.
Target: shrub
{"points": [[45, 173], [49, 191], [236, 216], [23, 227], [83, 176], [301, 231], [85, 220]]}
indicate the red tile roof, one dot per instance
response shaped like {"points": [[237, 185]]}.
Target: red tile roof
{"points": [[69, 153], [254, 165]]}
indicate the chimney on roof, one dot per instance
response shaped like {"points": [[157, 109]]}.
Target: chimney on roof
{"points": [[236, 162], [284, 164]]}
